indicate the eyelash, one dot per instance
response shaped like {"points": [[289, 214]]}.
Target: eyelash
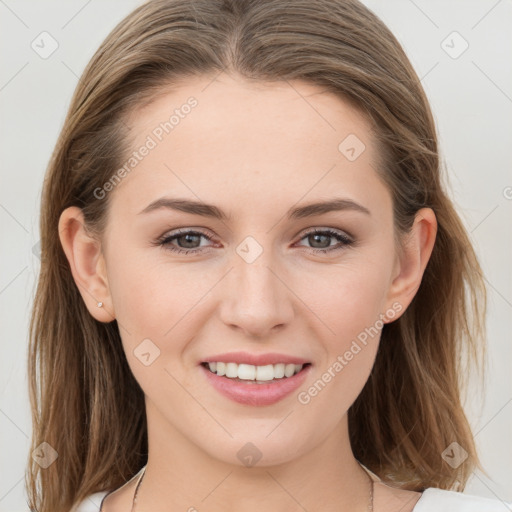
{"points": [[165, 241]]}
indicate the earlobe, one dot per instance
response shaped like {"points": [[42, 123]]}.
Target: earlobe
{"points": [[413, 260], [87, 264]]}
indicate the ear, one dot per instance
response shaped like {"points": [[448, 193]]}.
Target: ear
{"points": [[410, 264], [87, 264]]}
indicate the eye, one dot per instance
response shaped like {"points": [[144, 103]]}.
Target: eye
{"points": [[187, 241], [321, 237]]}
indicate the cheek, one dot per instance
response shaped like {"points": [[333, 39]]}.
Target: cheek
{"points": [[160, 301], [347, 298], [350, 301], [149, 294], [353, 316]]}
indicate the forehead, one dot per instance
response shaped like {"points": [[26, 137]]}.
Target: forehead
{"points": [[269, 141], [240, 108]]}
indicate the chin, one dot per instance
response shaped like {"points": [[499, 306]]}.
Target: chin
{"points": [[259, 445]]}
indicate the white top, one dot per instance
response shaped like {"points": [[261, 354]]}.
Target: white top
{"points": [[431, 500]]}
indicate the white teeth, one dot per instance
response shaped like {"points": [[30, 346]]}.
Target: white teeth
{"points": [[289, 370], [246, 371], [258, 373], [232, 370], [265, 372], [221, 368], [279, 371]]}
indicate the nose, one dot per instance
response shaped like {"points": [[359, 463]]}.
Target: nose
{"points": [[255, 298]]}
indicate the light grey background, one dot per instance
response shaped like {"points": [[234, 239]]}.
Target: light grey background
{"points": [[471, 97]]}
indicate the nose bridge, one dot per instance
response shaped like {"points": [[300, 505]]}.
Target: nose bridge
{"points": [[255, 299]]}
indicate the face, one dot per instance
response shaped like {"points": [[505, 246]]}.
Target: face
{"points": [[265, 282]]}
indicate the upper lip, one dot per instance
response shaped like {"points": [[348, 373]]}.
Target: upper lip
{"points": [[255, 359]]}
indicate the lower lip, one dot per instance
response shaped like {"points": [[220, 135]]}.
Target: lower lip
{"points": [[256, 394]]}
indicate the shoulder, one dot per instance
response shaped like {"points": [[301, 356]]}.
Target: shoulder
{"points": [[441, 500], [92, 503]]}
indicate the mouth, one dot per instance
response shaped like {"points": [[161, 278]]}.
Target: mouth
{"points": [[255, 385], [252, 374]]}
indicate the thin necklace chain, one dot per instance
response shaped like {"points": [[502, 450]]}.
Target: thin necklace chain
{"points": [[372, 484], [370, 504], [137, 489]]}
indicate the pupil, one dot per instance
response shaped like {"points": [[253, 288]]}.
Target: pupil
{"points": [[314, 238], [187, 237]]}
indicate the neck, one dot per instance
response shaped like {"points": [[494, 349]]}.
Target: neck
{"points": [[180, 475]]}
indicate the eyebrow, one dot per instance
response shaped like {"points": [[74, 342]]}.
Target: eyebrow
{"points": [[210, 210]]}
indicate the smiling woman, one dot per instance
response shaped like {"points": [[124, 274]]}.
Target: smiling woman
{"points": [[274, 301]]}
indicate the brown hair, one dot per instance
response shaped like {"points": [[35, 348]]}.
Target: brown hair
{"points": [[86, 403]]}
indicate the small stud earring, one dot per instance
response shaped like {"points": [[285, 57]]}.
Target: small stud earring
{"points": [[99, 304]]}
